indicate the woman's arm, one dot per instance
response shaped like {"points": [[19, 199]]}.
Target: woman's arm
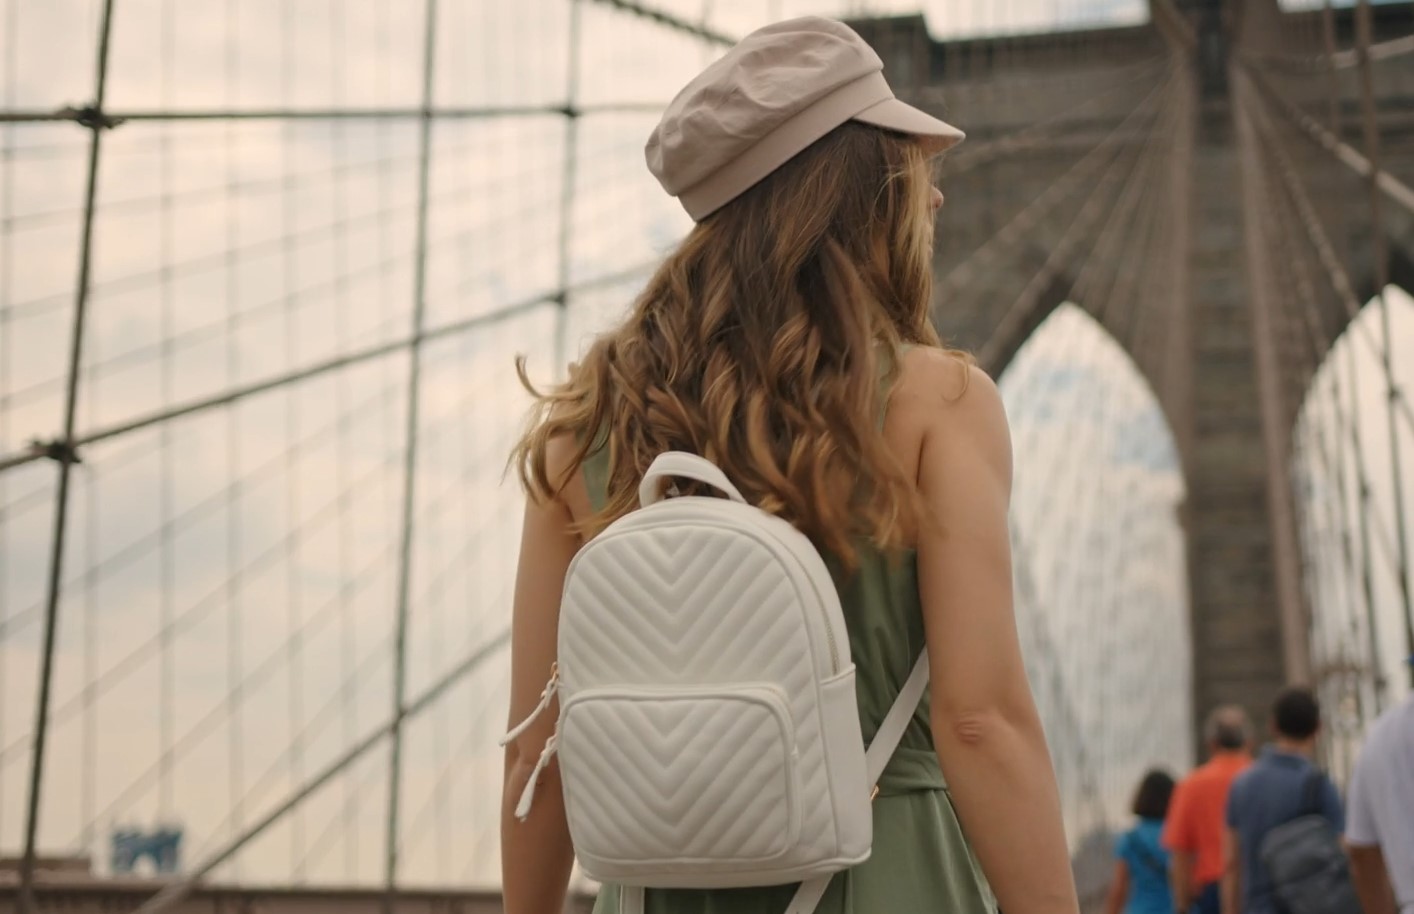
{"points": [[1119, 889], [985, 725], [536, 854]]}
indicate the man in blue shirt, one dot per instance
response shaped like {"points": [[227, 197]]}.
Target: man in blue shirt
{"points": [[1271, 793]]}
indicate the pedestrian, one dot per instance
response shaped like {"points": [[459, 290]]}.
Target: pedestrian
{"points": [[1282, 786], [788, 340], [1193, 831], [1141, 879], [1380, 827]]}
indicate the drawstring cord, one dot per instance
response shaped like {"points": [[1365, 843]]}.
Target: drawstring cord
{"points": [[546, 696], [527, 796]]}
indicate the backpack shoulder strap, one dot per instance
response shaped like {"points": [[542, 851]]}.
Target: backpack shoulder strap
{"points": [[876, 758], [1311, 800], [1153, 861], [891, 729]]}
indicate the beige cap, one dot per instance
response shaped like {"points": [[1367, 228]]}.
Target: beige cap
{"points": [[780, 89]]}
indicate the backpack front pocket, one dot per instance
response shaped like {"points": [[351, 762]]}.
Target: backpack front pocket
{"points": [[709, 772]]}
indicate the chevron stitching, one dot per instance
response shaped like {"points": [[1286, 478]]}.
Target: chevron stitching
{"points": [[659, 583], [604, 590], [621, 831], [673, 550], [745, 636], [610, 592], [599, 776], [666, 783], [643, 574], [660, 734], [649, 636], [664, 750]]}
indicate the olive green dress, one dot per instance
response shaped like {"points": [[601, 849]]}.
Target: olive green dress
{"points": [[921, 861]]}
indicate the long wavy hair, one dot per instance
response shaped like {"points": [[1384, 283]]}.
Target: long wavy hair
{"points": [[767, 342]]}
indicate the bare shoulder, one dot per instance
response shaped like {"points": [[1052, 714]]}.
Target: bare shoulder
{"points": [[560, 453], [946, 404], [936, 373], [936, 385]]}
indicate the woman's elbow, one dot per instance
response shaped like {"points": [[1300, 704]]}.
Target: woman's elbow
{"points": [[523, 765], [518, 764], [977, 728], [984, 727]]}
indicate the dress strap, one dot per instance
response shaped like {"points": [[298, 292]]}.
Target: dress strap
{"points": [[595, 469], [888, 373]]}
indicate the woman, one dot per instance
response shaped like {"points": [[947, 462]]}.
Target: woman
{"points": [[788, 340], [1141, 879]]}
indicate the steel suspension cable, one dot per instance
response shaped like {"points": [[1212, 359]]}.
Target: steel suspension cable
{"points": [[985, 257], [174, 892], [1338, 278], [411, 439], [201, 510], [1360, 580], [1288, 217], [372, 353], [61, 499], [1363, 30], [1017, 311]]}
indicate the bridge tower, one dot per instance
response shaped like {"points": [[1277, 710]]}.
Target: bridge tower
{"points": [[1218, 368], [1248, 612]]}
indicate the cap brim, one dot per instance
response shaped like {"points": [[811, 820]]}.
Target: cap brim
{"points": [[892, 114]]}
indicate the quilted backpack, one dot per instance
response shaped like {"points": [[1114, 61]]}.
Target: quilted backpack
{"points": [[709, 733]]}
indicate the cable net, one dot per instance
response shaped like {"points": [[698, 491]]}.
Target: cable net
{"points": [[316, 234]]}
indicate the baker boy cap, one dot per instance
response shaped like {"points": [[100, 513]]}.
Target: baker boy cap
{"points": [[777, 91]]}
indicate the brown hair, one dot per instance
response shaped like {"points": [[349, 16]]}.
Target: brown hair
{"points": [[761, 344], [1151, 799]]}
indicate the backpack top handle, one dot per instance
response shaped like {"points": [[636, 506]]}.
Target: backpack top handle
{"points": [[686, 466]]}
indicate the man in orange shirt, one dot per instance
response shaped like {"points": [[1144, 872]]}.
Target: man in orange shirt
{"points": [[1193, 831]]}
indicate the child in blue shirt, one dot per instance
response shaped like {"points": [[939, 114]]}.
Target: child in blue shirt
{"points": [[1141, 880]]}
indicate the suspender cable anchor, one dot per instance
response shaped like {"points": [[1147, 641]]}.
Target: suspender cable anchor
{"points": [[56, 450], [90, 116]]}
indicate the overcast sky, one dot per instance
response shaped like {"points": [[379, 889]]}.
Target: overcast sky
{"points": [[229, 252]]}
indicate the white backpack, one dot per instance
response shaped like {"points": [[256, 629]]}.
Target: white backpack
{"points": [[709, 732]]}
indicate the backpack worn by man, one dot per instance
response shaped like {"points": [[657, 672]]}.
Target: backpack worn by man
{"points": [[1309, 870], [709, 733]]}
